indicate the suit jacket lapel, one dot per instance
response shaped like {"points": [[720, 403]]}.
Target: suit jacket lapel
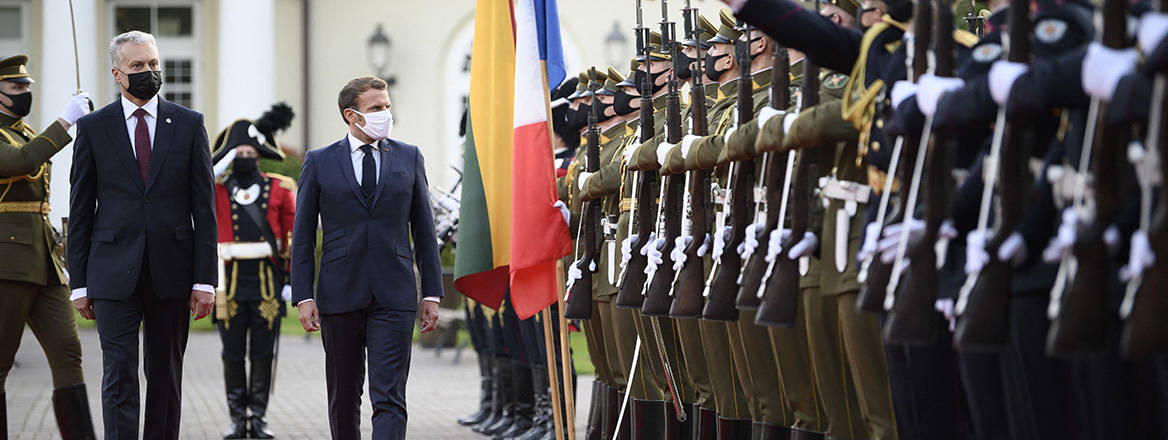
{"points": [[123, 148], [163, 133], [386, 153], [345, 162]]}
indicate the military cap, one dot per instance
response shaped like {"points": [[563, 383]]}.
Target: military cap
{"points": [[594, 85], [581, 86], [656, 51], [705, 31], [259, 133], [727, 32], [629, 79], [12, 69], [612, 83]]}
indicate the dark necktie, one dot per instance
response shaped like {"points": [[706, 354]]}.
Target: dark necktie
{"points": [[142, 143], [368, 171]]}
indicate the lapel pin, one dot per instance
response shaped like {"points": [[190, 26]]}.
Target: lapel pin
{"points": [[384, 148], [167, 120]]}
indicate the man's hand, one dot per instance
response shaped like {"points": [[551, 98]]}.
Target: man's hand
{"points": [[429, 318], [201, 303], [309, 317], [85, 307]]}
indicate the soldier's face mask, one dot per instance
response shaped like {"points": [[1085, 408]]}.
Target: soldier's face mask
{"points": [[686, 71], [712, 72], [378, 125], [245, 166], [578, 118], [21, 103], [143, 85], [640, 76], [623, 103]]}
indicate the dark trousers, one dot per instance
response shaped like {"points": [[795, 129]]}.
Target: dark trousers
{"points": [[386, 336], [234, 334], [164, 326]]}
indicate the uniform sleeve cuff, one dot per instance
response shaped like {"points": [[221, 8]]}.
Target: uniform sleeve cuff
{"points": [[305, 301], [204, 288], [78, 294], [436, 299], [57, 135]]}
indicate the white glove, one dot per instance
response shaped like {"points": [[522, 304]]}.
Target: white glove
{"points": [[574, 273], [891, 238], [775, 243], [645, 248], [1111, 239], [1140, 258], [655, 255], [750, 243], [705, 247], [1152, 28], [976, 256], [946, 307], [931, 87], [1062, 243], [1001, 79], [627, 249], [1103, 67], [559, 204], [1013, 249], [805, 247], [221, 166], [871, 239], [680, 244], [720, 238], [583, 178], [662, 151], [902, 90], [286, 292], [630, 150], [766, 114], [686, 143], [77, 107], [947, 231], [788, 121]]}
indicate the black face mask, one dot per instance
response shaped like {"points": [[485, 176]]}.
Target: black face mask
{"points": [[686, 71], [623, 103], [711, 72], [640, 77], [21, 103], [245, 167], [578, 118], [144, 85], [600, 109]]}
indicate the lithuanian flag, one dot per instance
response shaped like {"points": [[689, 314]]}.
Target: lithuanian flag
{"points": [[510, 233]]}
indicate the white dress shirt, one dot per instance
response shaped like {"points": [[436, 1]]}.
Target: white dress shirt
{"points": [[128, 109], [358, 157]]}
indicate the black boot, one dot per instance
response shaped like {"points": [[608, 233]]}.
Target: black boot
{"points": [[3, 414], [541, 415], [235, 382], [679, 430], [496, 409], [705, 425], [799, 434], [767, 431], [596, 411], [507, 404], [523, 410], [733, 429], [487, 393], [261, 387], [616, 399], [71, 406], [648, 419]]}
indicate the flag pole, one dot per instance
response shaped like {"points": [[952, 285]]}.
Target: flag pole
{"points": [[550, 349]]}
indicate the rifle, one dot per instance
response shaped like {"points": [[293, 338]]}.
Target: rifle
{"points": [[658, 293], [723, 292], [752, 275], [632, 278], [780, 282], [875, 275], [690, 280], [912, 318], [1078, 308], [984, 304], [1144, 305], [578, 303]]}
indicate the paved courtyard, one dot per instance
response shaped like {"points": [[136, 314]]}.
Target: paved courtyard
{"points": [[439, 391]]}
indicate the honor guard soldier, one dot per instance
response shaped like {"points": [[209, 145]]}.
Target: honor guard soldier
{"points": [[255, 213], [32, 280]]}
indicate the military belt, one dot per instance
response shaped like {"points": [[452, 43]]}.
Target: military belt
{"points": [[720, 195], [26, 207], [626, 205], [609, 226], [844, 190]]}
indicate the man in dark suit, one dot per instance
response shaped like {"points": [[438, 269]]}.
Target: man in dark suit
{"points": [[141, 210], [371, 196]]}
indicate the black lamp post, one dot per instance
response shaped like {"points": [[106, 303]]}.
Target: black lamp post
{"points": [[616, 45], [378, 51]]}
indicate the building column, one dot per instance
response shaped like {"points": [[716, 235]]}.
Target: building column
{"points": [[57, 82], [247, 61]]}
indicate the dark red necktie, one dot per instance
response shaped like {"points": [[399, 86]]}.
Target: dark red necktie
{"points": [[142, 143]]}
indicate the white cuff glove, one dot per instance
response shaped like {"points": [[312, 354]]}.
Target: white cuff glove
{"points": [[1152, 28], [946, 307], [559, 204], [766, 114], [902, 90], [720, 238], [630, 150], [1103, 67], [1140, 258], [788, 121], [750, 243], [77, 107], [221, 166], [582, 179], [930, 89], [663, 151], [627, 250], [805, 247], [574, 273], [655, 256], [645, 248], [976, 256], [1001, 79], [286, 293], [891, 238], [775, 243], [686, 143], [705, 247], [1013, 249], [1062, 243], [871, 239], [680, 244]]}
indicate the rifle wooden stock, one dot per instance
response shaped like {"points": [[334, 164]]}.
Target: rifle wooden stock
{"points": [[687, 298], [657, 298], [1080, 326], [629, 296], [780, 302], [578, 304], [913, 319]]}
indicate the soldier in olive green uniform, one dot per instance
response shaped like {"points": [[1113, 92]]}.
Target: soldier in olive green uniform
{"points": [[32, 280]]}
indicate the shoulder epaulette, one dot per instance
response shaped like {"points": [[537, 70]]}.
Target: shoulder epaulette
{"points": [[284, 181], [964, 37]]}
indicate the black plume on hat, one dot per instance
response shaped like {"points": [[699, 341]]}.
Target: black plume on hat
{"points": [[277, 118], [259, 134]]}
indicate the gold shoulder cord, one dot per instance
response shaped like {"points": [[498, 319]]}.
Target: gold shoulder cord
{"points": [[8, 181]]}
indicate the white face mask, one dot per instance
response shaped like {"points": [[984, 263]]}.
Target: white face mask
{"points": [[378, 125]]}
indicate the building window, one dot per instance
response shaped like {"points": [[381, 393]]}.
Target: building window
{"points": [[11, 23], [177, 77], [173, 24]]}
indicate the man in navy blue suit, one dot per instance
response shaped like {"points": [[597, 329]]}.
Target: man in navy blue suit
{"points": [[142, 237], [371, 197]]}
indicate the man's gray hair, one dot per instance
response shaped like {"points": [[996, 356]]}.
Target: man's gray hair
{"points": [[115, 46]]}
